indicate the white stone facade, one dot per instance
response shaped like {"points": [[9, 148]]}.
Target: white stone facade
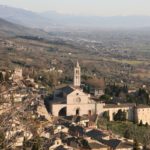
{"points": [[73, 101], [128, 110], [78, 102], [78, 97], [142, 114]]}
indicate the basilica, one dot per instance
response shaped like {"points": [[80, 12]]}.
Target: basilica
{"points": [[71, 100]]}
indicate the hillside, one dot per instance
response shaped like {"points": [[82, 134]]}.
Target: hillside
{"points": [[123, 58], [24, 17], [10, 29], [122, 55]]}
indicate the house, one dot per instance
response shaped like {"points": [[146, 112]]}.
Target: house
{"points": [[105, 139], [61, 128], [76, 130], [17, 75], [59, 145], [95, 145]]}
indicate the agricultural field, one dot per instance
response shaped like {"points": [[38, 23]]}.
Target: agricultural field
{"points": [[120, 56]]}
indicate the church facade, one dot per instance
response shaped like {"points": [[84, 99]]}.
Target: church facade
{"points": [[71, 100]]}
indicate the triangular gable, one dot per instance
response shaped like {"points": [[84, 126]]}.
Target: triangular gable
{"points": [[77, 92]]}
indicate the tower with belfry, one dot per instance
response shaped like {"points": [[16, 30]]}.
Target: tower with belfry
{"points": [[77, 75]]}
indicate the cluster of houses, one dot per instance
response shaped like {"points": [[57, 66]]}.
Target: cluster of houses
{"points": [[25, 117], [73, 135], [21, 106]]}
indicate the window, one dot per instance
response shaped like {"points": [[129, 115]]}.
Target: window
{"points": [[78, 100], [77, 71]]}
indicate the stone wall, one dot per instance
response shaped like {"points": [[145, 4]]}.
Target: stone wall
{"points": [[100, 108], [56, 108], [128, 110], [83, 109], [142, 114]]}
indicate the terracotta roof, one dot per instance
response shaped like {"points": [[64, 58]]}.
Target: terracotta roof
{"points": [[125, 145], [96, 145], [112, 143], [96, 134], [142, 106]]}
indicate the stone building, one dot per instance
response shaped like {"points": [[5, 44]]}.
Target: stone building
{"points": [[142, 114], [17, 75], [71, 100]]}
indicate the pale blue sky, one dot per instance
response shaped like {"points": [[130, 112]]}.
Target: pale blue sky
{"points": [[85, 7]]}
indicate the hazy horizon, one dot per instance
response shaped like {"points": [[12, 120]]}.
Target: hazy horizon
{"points": [[85, 7]]}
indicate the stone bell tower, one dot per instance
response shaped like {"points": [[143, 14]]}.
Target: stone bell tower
{"points": [[77, 75]]}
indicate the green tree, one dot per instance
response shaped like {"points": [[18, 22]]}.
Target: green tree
{"points": [[106, 115], [86, 88], [146, 139], [120, 115], [128, 134], [143, 96], [2, 139], [105, 98], [141, 123], [146, 125], [1, 77]]}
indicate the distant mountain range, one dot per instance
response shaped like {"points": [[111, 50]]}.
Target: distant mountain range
{"points": [[50, 20], [98, 21], [24, 17], [11, 29]]}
